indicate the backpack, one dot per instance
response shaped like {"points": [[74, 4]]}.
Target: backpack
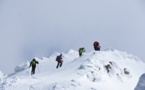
{"points": [[58, 58], [33, 62]]}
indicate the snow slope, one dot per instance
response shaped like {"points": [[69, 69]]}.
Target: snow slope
{"points": [[88, 72], [141, 83]]}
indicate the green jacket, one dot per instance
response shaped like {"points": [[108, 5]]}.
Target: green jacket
{"points": [[81, 50]]}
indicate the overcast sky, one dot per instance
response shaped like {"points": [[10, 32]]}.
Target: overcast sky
{"points": [[37, 28]]}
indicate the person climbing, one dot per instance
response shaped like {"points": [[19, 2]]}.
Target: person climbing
{"points": [[96, 46], [59, 60], [81, 51], [33, 64]]}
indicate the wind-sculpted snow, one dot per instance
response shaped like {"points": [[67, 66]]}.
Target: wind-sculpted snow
{"points": [[22, 67], [96, 70]]}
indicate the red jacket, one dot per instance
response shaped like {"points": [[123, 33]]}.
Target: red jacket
{"points": [[96, 44]]}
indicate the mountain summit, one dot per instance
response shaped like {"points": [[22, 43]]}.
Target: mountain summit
{"points": [[95, 70]]}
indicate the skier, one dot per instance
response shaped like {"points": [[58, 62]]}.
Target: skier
{"points": [[81, 51], [59, 60], [96, 46], [33, 64]]}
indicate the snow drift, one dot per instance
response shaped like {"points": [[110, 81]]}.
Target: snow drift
{"points": [[95, 70]]}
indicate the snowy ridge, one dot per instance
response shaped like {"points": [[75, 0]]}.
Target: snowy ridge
{"points": [[103, 70]]}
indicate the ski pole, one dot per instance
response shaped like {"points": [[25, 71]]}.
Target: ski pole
{"points": [[38, 69]]}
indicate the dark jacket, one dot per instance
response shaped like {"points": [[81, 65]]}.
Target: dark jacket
{"points": [[59, 58], [33, 63]]}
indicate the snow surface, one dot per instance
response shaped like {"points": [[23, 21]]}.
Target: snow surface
{"points": [[79, 73], [141, 83]]}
